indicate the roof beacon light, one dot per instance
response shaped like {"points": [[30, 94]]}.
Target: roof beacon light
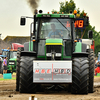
{"points": [[84, 14], [52, 12], [77, 15], [48, 12], [75, 40], [57, 12], [75, 12], [8, 48], [62, 12]]}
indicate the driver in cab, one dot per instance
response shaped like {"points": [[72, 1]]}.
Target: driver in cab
{"points": [[55, 33]]}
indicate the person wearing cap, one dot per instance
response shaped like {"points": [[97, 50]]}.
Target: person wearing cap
{"points": [[5, 65], [55, 32]]}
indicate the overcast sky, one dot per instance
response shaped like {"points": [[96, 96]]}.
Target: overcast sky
{"points": [[12, 10]]}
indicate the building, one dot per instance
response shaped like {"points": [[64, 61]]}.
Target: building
{"points": [[8, 40]]}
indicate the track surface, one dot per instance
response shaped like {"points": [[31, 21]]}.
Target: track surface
{"points": [[7, 92]]}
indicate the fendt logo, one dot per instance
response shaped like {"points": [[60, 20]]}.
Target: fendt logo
{"points": [[55, 71]]}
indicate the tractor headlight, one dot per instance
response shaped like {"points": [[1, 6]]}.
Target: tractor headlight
{"points": [[58, 54], [48, 54], [11, 63], [88, 47]]}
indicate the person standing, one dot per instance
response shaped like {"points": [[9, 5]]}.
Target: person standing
{"points": [[5, 65]]}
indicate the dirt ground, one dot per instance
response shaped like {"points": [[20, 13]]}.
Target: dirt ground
{"points": [[7, 92]]}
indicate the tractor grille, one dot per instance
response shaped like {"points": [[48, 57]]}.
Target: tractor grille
{"points": [[11, 62], [53, 48]]}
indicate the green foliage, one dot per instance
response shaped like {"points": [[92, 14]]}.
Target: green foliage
{"points": [[66, 7], [54, 11]]}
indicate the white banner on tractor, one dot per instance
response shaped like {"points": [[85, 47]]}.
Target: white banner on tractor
{"points": [[52, 71]]}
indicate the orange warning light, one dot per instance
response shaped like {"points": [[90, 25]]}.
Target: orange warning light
{"points": [[84, 14], [75, 40], [75, 11]]}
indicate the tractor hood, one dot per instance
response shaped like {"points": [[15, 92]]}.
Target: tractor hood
{"points": [[53, 49], [12, 59], [54, 42]]}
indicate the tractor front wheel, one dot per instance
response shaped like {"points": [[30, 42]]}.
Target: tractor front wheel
{"points": [[26, 84], [80, 75]]}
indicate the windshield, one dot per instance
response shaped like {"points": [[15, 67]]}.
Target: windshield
{"points": [[55, 28], [13, 54], [5, 53]]}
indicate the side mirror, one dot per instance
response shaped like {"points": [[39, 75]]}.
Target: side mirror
{"points": [[86, 21], [90, 34], [22, 21]]}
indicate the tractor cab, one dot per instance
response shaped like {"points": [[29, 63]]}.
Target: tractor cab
{"points": [[54, 36]]}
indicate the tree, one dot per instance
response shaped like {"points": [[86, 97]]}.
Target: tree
{"points": [[67, 6]]}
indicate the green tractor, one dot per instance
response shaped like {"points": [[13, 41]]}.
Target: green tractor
{"points": [[11, 61], [12, 57], [53, 57]]}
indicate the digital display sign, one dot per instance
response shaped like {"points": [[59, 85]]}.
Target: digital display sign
{"points": [[79, 23]]}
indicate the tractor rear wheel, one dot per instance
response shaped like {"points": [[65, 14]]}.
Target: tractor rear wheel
{"points": [[91, 70], [80, 75], [26, 84], [18, 67]]}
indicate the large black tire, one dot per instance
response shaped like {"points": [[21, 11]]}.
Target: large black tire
{"points": [[18, 67], [80, 75], [91, 70], [26, 75]]}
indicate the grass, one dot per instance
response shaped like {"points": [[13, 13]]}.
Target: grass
{"points": [[96, 76], [1, 79]]}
